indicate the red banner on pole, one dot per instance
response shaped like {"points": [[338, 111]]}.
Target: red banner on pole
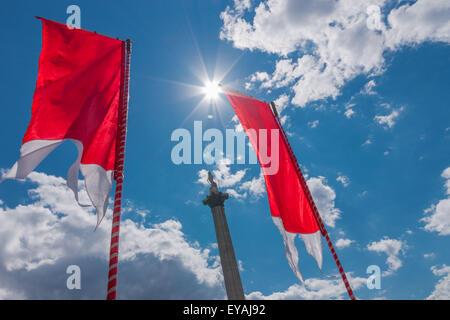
{"points": [[82, 96], [291, 204]]}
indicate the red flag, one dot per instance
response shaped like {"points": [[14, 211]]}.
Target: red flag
{"points": [[289, 205], [77, 97]]}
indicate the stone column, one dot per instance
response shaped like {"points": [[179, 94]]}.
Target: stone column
{"points": [[215, 200]]}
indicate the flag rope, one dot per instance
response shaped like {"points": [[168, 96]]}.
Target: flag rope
{"points": [[323, 230], [118, 174]]}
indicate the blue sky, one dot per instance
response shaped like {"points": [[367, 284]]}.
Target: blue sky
{"points": [[366, 109]]}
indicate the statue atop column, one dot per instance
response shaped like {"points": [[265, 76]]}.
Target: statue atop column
{"points": [[215, 197]]}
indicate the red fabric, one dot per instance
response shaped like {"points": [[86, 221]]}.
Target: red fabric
{"points": [[77, 91], [286, 196]]}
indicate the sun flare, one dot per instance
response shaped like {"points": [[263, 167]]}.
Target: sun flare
{"points": [[212, 90]]}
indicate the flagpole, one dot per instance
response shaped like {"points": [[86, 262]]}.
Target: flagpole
{"points": [[118, 174], [313, 206]]}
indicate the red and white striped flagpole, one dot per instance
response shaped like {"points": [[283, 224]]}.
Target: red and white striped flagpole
{"points": [[313, 206], [118, 174]]}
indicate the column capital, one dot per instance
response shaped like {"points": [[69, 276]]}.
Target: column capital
{"points": [[215, 199]]}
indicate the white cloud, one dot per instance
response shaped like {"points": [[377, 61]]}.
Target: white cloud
{"points": [[333, 39], [367, 142], [368, 87], [241, 266], [446, 175], [256, 186], [429, 255], [10, 295], [390, 119], [349, 113], [281, 103], [363, 194], [39, 240], [233, 193], [438, 219], [260, 76], [324, 197], [344, 180], [422, 21], [283, 120], [442, 289], [343, 243], [242, 5], [393, 248], [314, 289], [313, 124], [285, 73]]}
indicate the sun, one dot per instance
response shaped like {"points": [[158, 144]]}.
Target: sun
{"points": [[212, 90]]}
